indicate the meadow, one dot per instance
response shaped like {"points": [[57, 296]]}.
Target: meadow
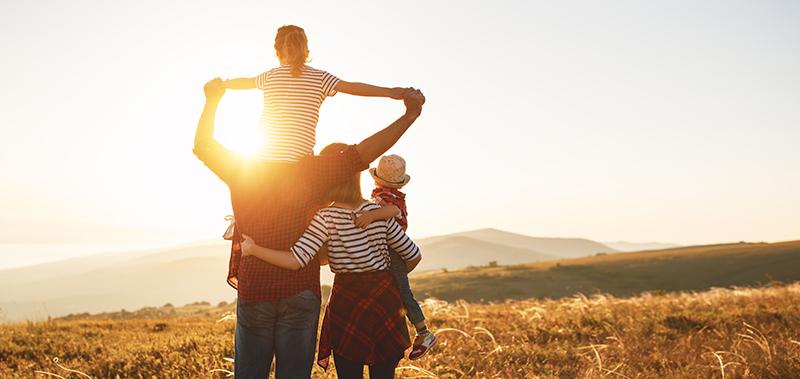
{"points": [[694, 268], [719, 333]]}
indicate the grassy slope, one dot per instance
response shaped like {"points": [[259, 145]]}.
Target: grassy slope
{"points": [[681, 269], [750, 333]]}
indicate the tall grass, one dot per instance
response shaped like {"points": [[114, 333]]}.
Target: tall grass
{"points": [[721, 333]]}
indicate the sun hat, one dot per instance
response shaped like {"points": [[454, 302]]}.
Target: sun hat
{"points": [[391, 172]]}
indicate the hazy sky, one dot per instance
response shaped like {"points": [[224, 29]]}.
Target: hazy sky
{"points": [[674, 121]]}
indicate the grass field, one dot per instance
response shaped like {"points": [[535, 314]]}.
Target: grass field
{"points": [[721, 333], [683, 269]]}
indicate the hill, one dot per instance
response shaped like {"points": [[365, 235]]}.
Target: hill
{"points": [[195, 272], [639, 246], [729, 333], [111, 282], [557, 247], [622, 274], [459, 251]]}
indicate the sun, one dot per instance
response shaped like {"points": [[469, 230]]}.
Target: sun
{"points": [[244, 140], [237, 123]]}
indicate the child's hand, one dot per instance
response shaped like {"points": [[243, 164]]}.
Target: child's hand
{"points": [[398, 93], [364, 220], [214, 89], [247, 245]]}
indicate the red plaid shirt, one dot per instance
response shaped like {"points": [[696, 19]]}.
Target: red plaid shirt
{"points": [[273, 202], [392, 196]]}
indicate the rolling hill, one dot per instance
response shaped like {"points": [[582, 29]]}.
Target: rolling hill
{"points": [[626, 246], [196, 272], [623, 274], [460, 252], [116, 281], [556, 247]]}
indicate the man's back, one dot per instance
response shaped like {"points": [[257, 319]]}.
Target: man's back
{"points": [[273, 203]]}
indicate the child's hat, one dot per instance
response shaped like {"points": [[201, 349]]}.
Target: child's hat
{"points": [[391, 172]]}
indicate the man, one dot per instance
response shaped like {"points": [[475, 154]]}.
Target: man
{"points": [[278, 310]]}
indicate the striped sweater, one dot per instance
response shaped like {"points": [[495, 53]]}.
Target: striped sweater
{"points": [[291, 110], [351, 249]]}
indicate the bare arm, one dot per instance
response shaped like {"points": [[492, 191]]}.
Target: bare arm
{"points": [[377, 144], [205, 127], [240, 83], [412, 264], [322, 256], [363, 89], [283, 259], [397, 239], [383, 213]]}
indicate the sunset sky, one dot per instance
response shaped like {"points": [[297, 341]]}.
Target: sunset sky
{"points": [[672, 121]]}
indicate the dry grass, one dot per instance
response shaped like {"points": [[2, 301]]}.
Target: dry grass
{"points": [[721, 333]]}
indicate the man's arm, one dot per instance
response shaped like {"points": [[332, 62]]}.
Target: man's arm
{"points": [[377, 144], [363, 89], [328, 169], [240, 83], [223, 162], [205, 128]]}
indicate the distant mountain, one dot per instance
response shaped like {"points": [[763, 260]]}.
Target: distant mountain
{"points": [[197, 272], [109, 282], [454, 252], [556, 247], [693, 268], [635, 246]]}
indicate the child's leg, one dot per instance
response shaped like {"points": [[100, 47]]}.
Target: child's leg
{"points": [[413, 310]]}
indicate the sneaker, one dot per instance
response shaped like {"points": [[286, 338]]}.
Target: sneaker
{"points": [[422, 344]]}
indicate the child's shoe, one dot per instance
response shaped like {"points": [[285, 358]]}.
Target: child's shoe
{"points": [[422, 344]]}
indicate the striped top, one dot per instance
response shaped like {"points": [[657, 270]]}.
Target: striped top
{"points": [[291, 110], [352, 249]]}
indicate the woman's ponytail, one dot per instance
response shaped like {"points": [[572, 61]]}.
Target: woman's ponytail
{"points": [[291, 45]]}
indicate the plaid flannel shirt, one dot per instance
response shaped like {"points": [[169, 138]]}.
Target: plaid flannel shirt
{"points": [[392, 196], [273, 202]]}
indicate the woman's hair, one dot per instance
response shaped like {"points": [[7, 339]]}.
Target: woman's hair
{"points": [[348, 190], [291, 45]]}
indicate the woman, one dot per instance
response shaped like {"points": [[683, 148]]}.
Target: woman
{"points": [[364, 322]]}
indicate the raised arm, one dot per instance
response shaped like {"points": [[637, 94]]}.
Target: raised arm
{"points": [[240, 83], [377, 144], [205, 128], [329, 169], [383, 213], [363, 89], [224, 163]]}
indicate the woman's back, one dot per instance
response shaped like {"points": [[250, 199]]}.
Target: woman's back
{"points": [[352, 249]]}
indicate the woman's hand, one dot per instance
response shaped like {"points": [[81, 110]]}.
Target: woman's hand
{"points": [[247, 245]]}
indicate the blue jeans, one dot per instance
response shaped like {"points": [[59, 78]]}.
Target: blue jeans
{"points": [[285, 329], [398, 269]]}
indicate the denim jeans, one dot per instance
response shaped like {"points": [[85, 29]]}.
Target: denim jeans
{"points": [[285, 329], [398, 269]]}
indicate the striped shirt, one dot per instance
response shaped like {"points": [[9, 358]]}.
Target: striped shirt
{"points": [[291, 110], [352, 249]]}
